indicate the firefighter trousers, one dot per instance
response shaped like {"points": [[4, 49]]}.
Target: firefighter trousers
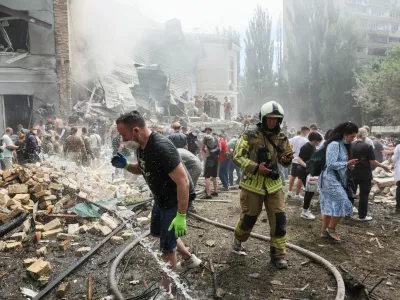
{"points": [[251, 207]]}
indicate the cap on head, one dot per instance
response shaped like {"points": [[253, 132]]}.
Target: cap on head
{"points": [[207, 129], [314, 126]]}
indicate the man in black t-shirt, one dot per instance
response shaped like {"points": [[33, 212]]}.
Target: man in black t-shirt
{"points": [[160, 164], [362, 173]]}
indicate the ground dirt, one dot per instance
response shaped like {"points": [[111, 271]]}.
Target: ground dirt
{"points": [[358, 254]]}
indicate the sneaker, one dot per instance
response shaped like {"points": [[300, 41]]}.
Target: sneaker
{"points": [[355, 210], [237, 247], [289, 194], [214, 194], [367, 218], [224, 189], [280, 263], [191, 263], [298, 197], [206, 197], [307, 215]]}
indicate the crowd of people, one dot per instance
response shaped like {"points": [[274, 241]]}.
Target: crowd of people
{"points": [[42, 141], [172, 162], [211, 106]]}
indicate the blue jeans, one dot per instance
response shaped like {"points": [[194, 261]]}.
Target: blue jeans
{"points": [[231, 167], [223, 172], [160, 220]]}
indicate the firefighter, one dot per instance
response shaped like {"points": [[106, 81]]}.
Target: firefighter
{"points": [[258, 153]]}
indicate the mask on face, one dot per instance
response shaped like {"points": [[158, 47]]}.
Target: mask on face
{"points": [[132, 145]]}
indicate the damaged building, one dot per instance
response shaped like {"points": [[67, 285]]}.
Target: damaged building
{"points": [[34, 61]]}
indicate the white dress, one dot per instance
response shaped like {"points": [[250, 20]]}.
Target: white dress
{"points": [[396, 161]]}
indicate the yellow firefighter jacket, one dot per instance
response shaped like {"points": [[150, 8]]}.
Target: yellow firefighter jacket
{"points": [[246, 157]]}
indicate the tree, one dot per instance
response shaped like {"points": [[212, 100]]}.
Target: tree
{"points": [[338, 64], [378, 90], [258, 71]]}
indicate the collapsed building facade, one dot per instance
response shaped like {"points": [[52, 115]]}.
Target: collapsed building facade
{"points": [[164, 70], [34, 61]]}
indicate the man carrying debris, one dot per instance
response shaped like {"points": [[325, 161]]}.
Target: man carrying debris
{"points": [[160, 164], [74, 148], [178, 138], [258, 153]]}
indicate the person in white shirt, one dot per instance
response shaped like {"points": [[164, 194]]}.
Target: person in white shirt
{"points": [[9, 151], [297, 142], [95, 145], [41, 126]]}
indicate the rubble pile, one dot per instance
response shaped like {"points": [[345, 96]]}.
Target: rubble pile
{"points": [[384, 188], [58, 188]]}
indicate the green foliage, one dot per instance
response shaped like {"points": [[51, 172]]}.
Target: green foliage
{"points": [[258, 73], [378, 90]]}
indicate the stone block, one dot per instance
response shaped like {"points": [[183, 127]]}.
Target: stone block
{"points": [[54, 224], [19, 236], [105, 230], [126, 235], [83, 228], [13, 245], [14, 189], [29, 261], [40, 194], [108, 221], [7, 173], [50, 198], [143, 220], [73, 228], [62, 290], [41, 251], [82, 251], [117, 240], [64, 245], [2, 246], [65, 236], [23, 198], [55, 186], [50, 233], [36, 188], [39, 268]]}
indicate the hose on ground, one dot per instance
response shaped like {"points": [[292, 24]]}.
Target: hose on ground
{"points": [[14, 223], [338, 276], [111, 276]]}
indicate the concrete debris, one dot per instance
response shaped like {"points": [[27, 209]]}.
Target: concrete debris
{"points": [[143, 220], [108, 221], [28, 292], [73, 228], [117, 240], [62, 290], [54, 224], [39, 268], [64, 245], [254, 275], [41, 252], [210, 243], [29, 261], [82, 251]]}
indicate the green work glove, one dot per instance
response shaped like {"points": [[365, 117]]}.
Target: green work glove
{"points": [[179, 225]]}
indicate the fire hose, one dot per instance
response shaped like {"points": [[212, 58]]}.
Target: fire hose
{"points": [[311, 255]]}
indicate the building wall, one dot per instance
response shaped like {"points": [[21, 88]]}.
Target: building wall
{"points": [[36, 74], [62, 54], [213, 71]]}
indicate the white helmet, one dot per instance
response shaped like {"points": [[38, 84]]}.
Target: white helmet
{"points": [[272, 109]]}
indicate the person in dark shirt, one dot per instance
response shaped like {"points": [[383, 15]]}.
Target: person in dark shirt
{"points": [[160, 164], [378, 148], [305, 154], [362, 173], [178, 138]]}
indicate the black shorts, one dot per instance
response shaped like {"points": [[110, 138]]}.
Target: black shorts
{"points": [[211, 167], [295, 170]]}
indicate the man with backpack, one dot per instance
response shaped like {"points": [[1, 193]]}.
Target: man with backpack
{"points": [[211, 150], [258, 153], [32, 145]]}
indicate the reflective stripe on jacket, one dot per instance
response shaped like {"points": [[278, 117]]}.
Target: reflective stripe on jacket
{"points": [[246, 157]]}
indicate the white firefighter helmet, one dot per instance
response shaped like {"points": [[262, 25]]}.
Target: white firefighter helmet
{"points": [[272, 109]]}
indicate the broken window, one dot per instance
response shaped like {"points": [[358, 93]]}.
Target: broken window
{"points": [[378, 39], [18, 110], [14, 34], [377, 51]]}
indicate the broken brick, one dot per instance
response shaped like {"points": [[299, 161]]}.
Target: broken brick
{"points": [[64, 236], [51, 232], [73, 228], [62, 290], [14, 189], [54, 224], [41, 251], [39, 268], [82, 251], [55, 186], [19, 236], [64, 245], [13, 245], [23, 198], [117, 240], [107, 220], [105, 230], [40, 194], [29, 261]]}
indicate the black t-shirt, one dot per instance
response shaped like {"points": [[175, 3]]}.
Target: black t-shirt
{"points": [[306, 152], [378, 151], [156, 161], [364, 153]]}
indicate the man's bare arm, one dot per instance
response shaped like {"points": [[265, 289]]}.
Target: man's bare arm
{"points": [[179, 176], [134, 169]]}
